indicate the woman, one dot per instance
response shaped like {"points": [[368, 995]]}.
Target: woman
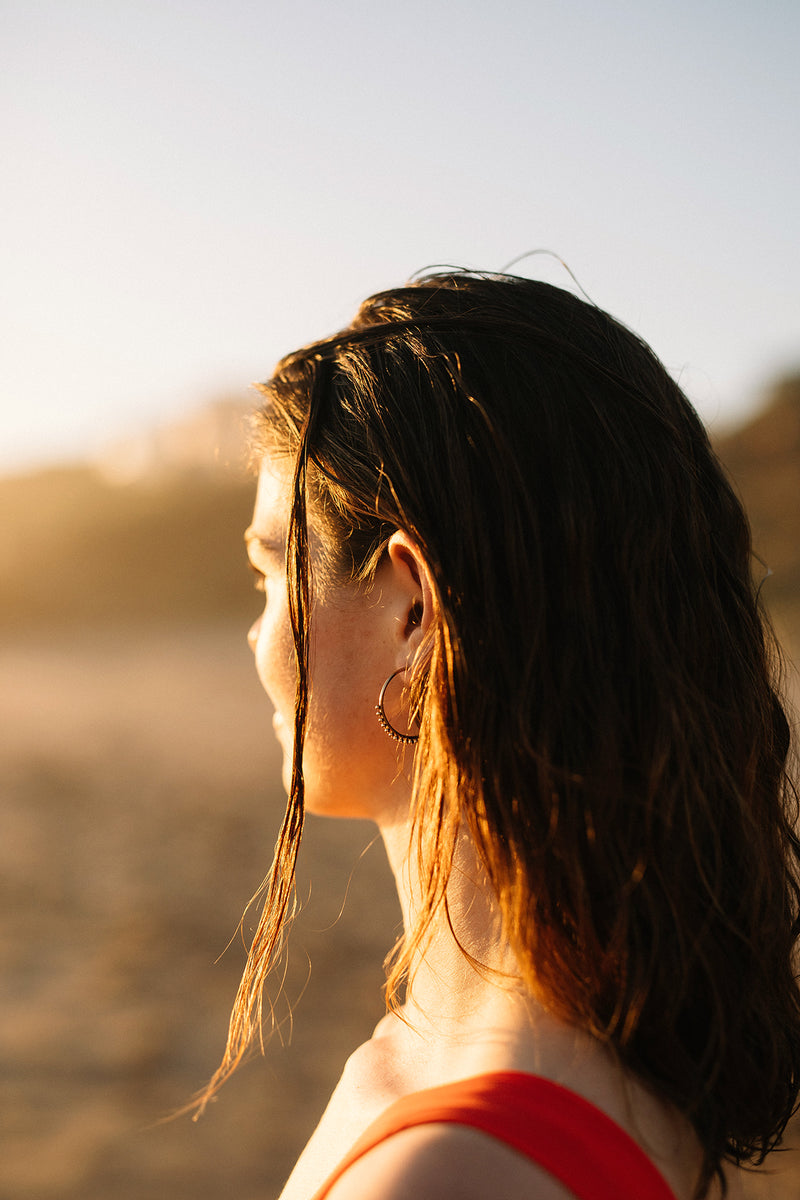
{"points": [[520, 634]]}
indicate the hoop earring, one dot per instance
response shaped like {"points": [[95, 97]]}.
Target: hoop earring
{"points": [[408, 739]]}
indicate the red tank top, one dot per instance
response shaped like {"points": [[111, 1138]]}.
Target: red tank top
{"points": [[561, 1132]]}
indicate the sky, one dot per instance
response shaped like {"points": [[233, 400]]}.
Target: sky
{"points": [[191, 189]]}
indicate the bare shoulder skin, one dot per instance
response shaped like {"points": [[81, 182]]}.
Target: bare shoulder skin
{"points": [[446, 1160]]}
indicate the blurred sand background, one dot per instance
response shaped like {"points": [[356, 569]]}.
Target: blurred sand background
{"points": [[140, 800]]}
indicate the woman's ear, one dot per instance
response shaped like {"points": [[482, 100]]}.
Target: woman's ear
{"points": [[416, 598]]}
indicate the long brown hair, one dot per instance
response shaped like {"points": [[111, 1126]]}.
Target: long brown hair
{"points": [[599, 704]]}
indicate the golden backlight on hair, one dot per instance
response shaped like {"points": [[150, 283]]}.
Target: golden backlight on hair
{"points": [[599, 706]]}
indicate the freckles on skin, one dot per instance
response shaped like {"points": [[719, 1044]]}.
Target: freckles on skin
{"points": [[345, 750], [350, 766]]}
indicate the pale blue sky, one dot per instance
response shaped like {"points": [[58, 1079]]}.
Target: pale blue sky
{"points": [[192, 189]]}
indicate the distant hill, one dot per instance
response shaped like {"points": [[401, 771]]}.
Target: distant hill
{"points": [[763, 459], [153, 534]]}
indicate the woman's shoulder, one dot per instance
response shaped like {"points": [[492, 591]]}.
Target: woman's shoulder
{"points": [[445, 1162], [385, 1067], [507, 1130]]}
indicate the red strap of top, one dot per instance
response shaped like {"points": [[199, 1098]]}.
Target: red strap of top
{"points": [[560, 1131]]}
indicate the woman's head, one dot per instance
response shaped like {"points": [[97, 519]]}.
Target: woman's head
{"points": [[594, 688]]}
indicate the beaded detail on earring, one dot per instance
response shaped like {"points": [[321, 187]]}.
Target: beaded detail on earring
{"points": [[408, 739]]}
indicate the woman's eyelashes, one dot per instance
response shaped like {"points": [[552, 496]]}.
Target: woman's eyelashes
{"points": [[266, 558]]}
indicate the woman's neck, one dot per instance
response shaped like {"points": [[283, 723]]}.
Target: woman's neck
{"points": [[465, 972]]}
